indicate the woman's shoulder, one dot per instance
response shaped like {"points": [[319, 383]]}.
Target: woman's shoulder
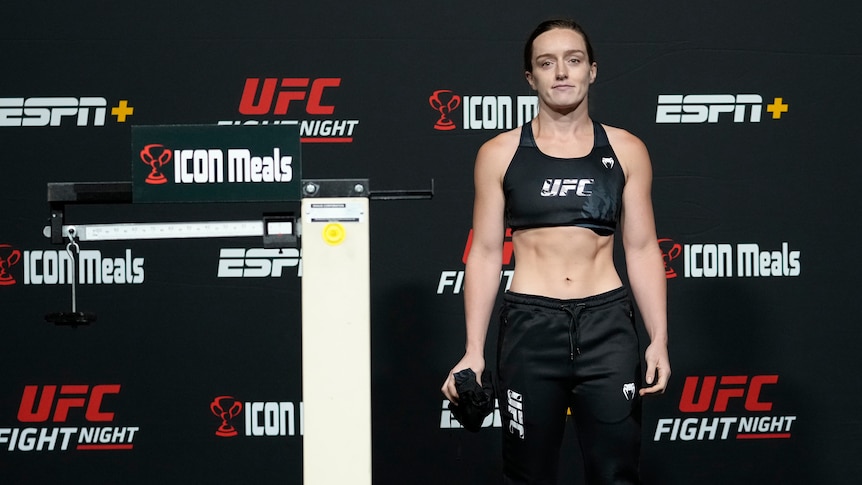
{"points": [[506, 141], [623, 139], [500, 149], [631, 151]]}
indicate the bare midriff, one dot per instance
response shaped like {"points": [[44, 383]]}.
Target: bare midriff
{"points": [[563, 262]]}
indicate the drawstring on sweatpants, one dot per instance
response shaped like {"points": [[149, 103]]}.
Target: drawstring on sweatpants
{"points": [[574, 328]]}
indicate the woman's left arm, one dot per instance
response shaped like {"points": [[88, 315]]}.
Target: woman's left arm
{"points": [[644, 263]]}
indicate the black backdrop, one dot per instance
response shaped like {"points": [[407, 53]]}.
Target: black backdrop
{"points": [[765, 386]]}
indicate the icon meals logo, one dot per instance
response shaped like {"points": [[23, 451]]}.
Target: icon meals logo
{"points": [[226, 413], [156, 162], [271, 418], [216, 166], [208, 163], [452, 101], [481, 112], [9, 257], [54, 267], [670, 250], [726, 260]]}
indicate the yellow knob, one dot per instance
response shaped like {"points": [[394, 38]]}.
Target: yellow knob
{"points": [[333, 234]]}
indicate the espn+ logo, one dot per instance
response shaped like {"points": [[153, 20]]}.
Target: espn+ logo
{"points": [[59, 110], [258, 262], [711, 108]]}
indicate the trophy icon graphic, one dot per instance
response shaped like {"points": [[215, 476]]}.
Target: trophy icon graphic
{"points": [[226, 429], [453, 101], [8, 257], [156, 177], [669, 251]]}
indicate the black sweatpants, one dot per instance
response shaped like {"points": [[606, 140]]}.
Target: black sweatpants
{"points": [[581, 354]]}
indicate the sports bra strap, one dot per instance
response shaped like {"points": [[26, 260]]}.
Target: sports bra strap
{"points": [[527, 139], [601, 138]]}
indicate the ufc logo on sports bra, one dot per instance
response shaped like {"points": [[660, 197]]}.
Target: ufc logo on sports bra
{"points": [[562, 187]]}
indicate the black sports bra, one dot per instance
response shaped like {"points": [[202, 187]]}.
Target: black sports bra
{"points": [[545, 191]]}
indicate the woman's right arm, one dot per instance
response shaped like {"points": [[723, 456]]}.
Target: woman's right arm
{"points": [[484, 263]]}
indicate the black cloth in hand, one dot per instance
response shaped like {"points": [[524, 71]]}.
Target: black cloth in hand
{"points": [[475, 402]]}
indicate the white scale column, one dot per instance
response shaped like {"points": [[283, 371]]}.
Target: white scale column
{"points": [[336, 341]]}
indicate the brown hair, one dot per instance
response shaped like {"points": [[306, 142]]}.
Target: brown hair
{"points": [[550, 25]]}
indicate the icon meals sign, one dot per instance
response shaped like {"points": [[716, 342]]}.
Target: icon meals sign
{"points": [[209, 163]]}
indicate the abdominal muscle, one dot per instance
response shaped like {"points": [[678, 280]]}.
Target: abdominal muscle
{"points": [[563, 262]]}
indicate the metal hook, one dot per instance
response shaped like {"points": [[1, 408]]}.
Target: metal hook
{"points": [[73, 244], [73, 318]]}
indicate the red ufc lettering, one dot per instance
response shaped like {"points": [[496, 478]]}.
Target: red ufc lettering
{"points": [[508, 247], [752, 401], [72, 396], [730, 387], [289, 89]]}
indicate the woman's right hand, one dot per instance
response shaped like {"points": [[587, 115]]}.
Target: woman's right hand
{"points": [[472, 361]]}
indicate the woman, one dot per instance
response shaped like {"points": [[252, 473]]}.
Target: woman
{"points": [[567, 337]]}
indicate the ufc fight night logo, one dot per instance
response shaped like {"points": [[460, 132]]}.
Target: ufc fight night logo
{"points": [[707, 401], [62, 405], [453, 281], [270, 99]]}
